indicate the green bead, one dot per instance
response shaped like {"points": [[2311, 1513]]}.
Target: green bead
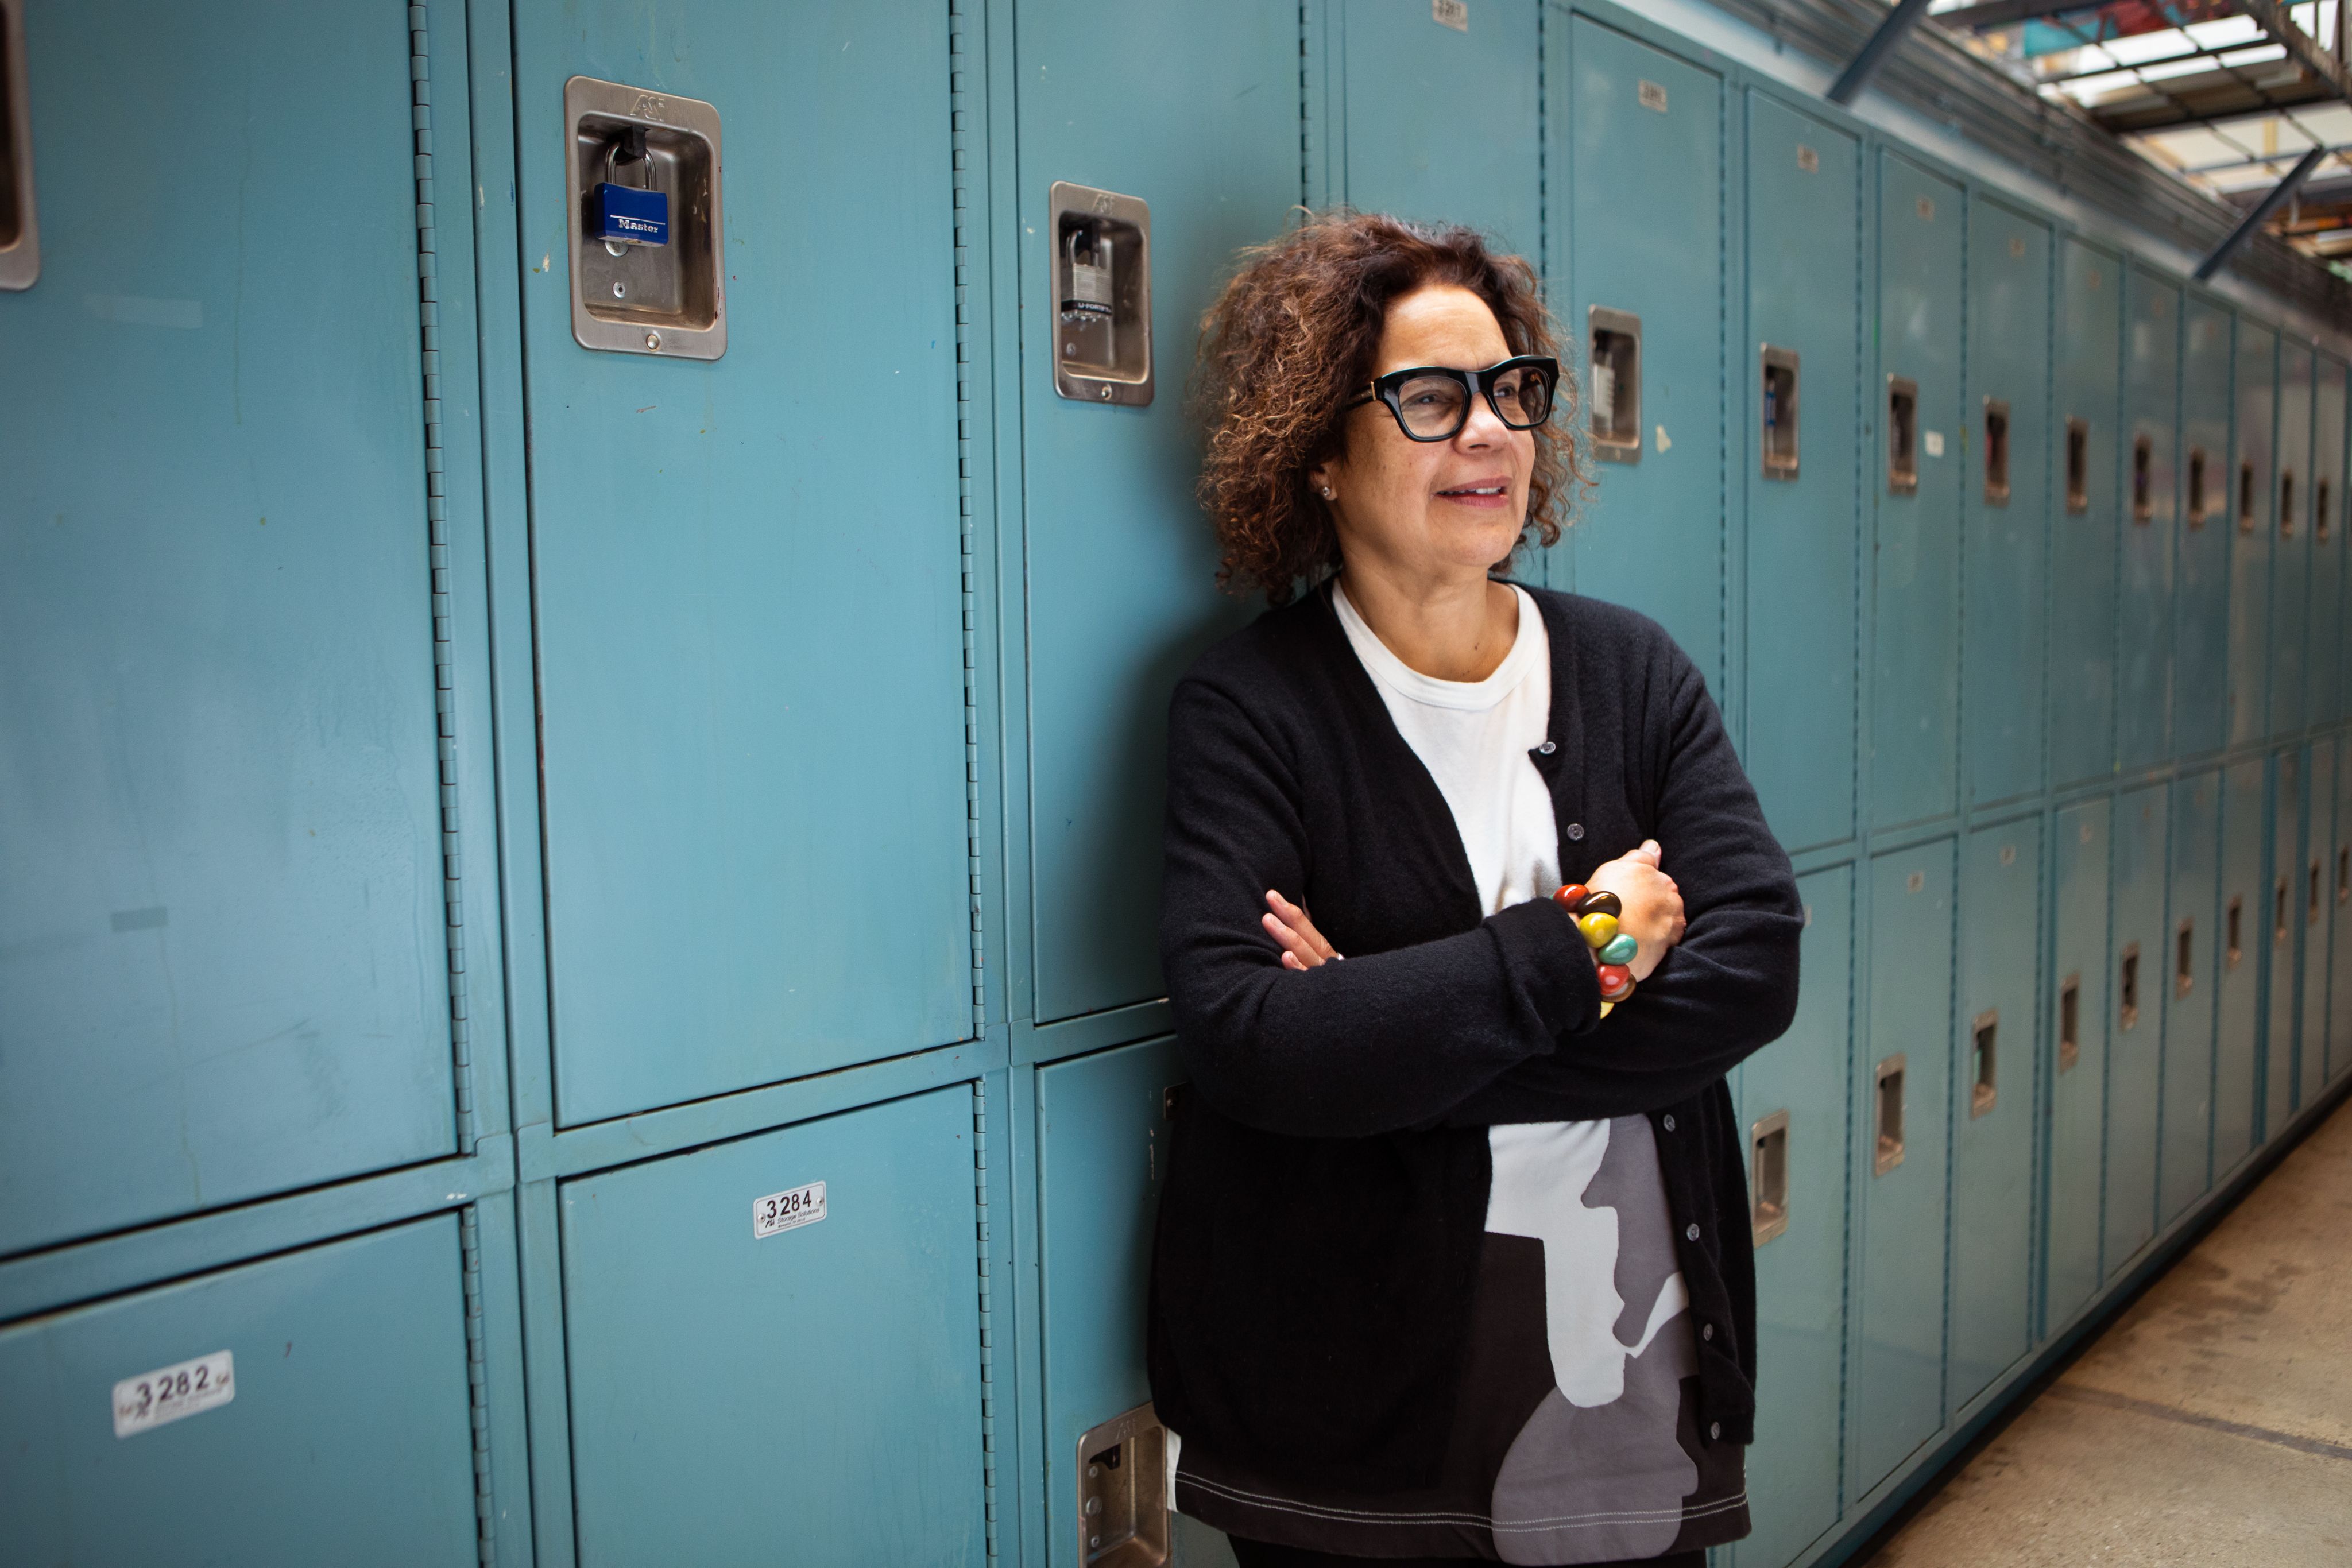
{"points": [[1621, 949]]}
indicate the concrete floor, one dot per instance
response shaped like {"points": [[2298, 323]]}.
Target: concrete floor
{"points": [[2212, 1424]]}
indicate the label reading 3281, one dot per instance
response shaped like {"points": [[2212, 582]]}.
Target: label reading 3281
{"points": [[168, 1392], [782, 1211]]}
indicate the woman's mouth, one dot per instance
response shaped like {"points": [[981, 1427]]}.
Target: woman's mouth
{"points": [[1479, 493]]}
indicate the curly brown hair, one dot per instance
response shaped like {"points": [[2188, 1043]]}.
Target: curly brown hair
{"points": [[1290, 340]]}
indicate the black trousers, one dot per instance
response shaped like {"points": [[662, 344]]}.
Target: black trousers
{"points": [[1260, 1554]]}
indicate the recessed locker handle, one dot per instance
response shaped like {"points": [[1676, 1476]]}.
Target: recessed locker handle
{"points": [[1767, 1144], [1984, 1062], [1996, 451], [1889, 1118], [2279, 896], [1123, 1500], [1613, 408], [2233, 927], [1902, 435], [2127, 986], [20, 230], [2070, 1022], [2184, 957], [1779, 435]]}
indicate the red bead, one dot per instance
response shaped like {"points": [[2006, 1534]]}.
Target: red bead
{"points": [[1616, 982], [1569, 897]]}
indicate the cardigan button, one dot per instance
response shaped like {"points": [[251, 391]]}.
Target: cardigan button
{"points": [[1575, 831], [1670, 1123], [1692, 1234], [1715, 1430], [1547, 749], [1706, 1330]]}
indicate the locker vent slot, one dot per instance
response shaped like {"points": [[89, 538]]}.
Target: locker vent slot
{"points": [[2245, 497], [2320, 510], [20, 237], [2278, 911], [2233, 930], [2127, 986], [1890, 1116], [1779, 442], [2143, 479], [2311, 897], [2069, 1023], [2184, 957], [1123, 1492], [1768, 1177], [1984, 1061], [2286, 504], [1902, 435], [2198, 498], [1614, 415], [1996, 445], [2078, 466]]}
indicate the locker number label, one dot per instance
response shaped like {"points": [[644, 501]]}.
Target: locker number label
{"points": [[1650, 95], [155, 1398], [782, 1211], [1454, 14]]}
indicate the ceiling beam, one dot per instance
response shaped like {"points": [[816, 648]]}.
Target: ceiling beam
{"points": [[2304, 49], [2261, 215]]}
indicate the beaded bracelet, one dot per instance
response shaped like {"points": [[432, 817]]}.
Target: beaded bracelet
{"points": [[1596, 917]]}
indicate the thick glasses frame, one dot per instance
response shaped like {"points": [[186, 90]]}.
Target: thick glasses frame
{"points": [[1386, 389]]}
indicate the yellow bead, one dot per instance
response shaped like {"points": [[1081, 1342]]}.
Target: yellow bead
{"points": [[1599, 930], [1608, 1008]]}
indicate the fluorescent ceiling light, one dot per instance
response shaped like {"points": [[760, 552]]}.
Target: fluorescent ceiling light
{"points": [[2186, 67], [2144, 47], [2255, 57], [2227, 30]]}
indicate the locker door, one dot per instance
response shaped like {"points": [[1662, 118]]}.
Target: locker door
{"points": [[2144, 600], [1643, 162], [2083, 526], [1803, 291], [1992, 1104], [2136, 969], [2284, 916], [749, 576], [2339, 874], [1903, 1085], [2323, 700], [345, 1438], [811, 1394], [1120, 587], [217, 666], [2200, 648], [1405, 78], [2190, 976], [2241, 942], [1792, 1480], [2253, 502], [2316, 902], [2005, 494], [2290, 542], [2077, 1023], [1101, 1147], [1919, 471]]}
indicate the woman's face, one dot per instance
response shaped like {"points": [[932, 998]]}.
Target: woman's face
{"points": [[1430, 510]]}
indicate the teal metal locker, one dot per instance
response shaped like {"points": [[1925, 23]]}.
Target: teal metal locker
{"points": [[345, 1436], [1638, 141], [1994, 1128], [732, 761], [1395, 84], [2323, 671], [2135, 969], [2005, 497], [2284, 916], [1903, 1085], [2254, 512], [2242, 944], [1804, 287], [2085, 515], [2315, 905], [1102, 1146], [2339, 968], [2190, 980], [2201, 643], [2151, 516], [1920, 469], [811, 1393], [223, 936], [2077, 1025], [1793, 1101], [1119, 594], [2291, 547]]}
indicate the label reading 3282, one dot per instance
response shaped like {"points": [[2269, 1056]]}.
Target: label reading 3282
{"points": [[152, 1398], [782, 1211]]}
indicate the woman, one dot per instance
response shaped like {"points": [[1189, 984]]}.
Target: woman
{"points": [[1454, 1259]]}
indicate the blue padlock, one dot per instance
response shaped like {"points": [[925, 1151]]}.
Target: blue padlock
{"points": [[633, 216]]}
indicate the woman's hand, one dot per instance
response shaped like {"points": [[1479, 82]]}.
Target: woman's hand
{"points": [[1303, 946], [1653, 904]]}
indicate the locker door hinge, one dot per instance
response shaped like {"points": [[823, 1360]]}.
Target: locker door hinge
{"points": [[964, 144], [988, 1450]]}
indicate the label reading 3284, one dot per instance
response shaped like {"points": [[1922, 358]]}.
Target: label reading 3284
{"points": [[782, 1211], [168, 1392]]}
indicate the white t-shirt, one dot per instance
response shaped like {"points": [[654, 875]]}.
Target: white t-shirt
{"points": [[1474, 736]]}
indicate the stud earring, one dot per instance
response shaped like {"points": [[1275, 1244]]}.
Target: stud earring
{"points": [[1327, 492]]}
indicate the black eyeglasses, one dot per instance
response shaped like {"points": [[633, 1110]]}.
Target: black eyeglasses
{"points": [[1432, 402]]}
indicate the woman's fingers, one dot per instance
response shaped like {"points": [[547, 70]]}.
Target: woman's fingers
{"points": [[1296, 920]]}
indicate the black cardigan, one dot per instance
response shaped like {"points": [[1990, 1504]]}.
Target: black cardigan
{"points": [[1319, 1230]]}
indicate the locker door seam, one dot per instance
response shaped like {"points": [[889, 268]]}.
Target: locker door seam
{"points": [[959, 155]]}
